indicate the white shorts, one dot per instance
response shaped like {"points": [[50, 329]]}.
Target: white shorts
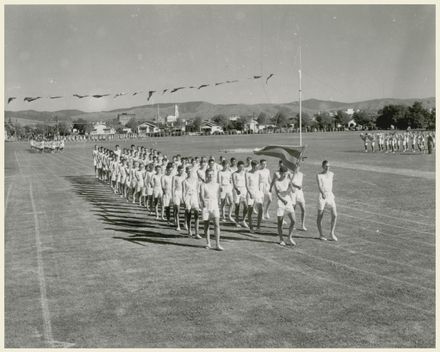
{"points": [[240, 197], [329, 201], [285, 208], [157, 193], [139, 186], [226, 191], [265, 189], [209, 214], [166, 199], [191, 202], [257, 197], [149, 191], [177, 198], [298, 197]]}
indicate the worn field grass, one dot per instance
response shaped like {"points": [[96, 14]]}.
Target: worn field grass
{"points": [[85, 269]]}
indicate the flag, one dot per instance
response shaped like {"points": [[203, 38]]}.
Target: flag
{"points": [[235, 80], [118, 95], [217, 84], [55, 97], [29, 99], [256, 77], [192, 87], [164, 91], [290, 155], [80, 96], [150, 94], [203, 86], [269, 77], [176, 89], [11, 99], [100, 95], [136, 93]]}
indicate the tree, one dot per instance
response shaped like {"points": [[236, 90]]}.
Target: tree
{"points": [[389, 115], [64, 128], [280, 119], [132, 123], [342, 118], [417, 116], [430, 120], [262, 118], [221, 120], [324, 120], [306, 120], [197, 123], [82, 126]]}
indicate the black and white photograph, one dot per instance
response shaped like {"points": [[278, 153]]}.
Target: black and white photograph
{"points": [[219, 176]]}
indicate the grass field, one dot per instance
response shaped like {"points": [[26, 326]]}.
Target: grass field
{"points": [[85, 269]]}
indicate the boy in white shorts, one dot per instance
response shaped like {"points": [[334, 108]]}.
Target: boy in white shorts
{"points": [[167, 182], [149, 189], [177, 192], [264, 185], [209, 198], [326, 198], [239, 184], [226, 197], [298, 195], [156, 185], [285, 205], [254, 197], [191, 200]]}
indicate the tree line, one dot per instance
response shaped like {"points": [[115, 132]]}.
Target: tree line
{"points": [[389, 117]]}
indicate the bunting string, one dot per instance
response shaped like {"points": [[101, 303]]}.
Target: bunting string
{"points": [[149, 92]]}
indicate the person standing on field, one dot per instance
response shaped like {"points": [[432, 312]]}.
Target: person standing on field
{"points": [[326, 198]]}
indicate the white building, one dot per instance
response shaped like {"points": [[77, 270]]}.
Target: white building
{"points": [[173, 118], [101, 128], [252, 125], [147, 127], [211, 128], [234, 117]]}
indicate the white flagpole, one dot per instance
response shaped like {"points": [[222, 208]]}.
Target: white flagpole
{"points": [[300, 103]]}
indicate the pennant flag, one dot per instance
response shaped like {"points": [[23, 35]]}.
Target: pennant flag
{"points": [[235, 80], [256, 77], [290, 155], [80, 96], [150, 94], [29, 99], [192, 87], [176, 89], [269, 77], [164, 91], [118, 95], [203, 86], [217, 84], [136, 93], [100, 95], [55, 97], [11, 99]]}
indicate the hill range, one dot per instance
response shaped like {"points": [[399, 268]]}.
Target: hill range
{"points": [[189, 110]]}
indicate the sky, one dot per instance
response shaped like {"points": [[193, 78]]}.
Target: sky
{"points": [[349, 53]]}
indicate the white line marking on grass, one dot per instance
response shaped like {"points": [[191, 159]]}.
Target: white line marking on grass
{"points": [[47, 326], [363, 204], [387, 216], [290, 268], [352, 251], [7, 196], [365, 271], [386, 224]]}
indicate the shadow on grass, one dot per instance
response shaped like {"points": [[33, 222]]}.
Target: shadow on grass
{"points": [[132, 219]]}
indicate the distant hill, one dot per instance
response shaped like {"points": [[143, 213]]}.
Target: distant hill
{"points": [[207, 110]]}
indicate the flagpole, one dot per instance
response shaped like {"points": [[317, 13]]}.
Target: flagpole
{"points": [[300, 112]]}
